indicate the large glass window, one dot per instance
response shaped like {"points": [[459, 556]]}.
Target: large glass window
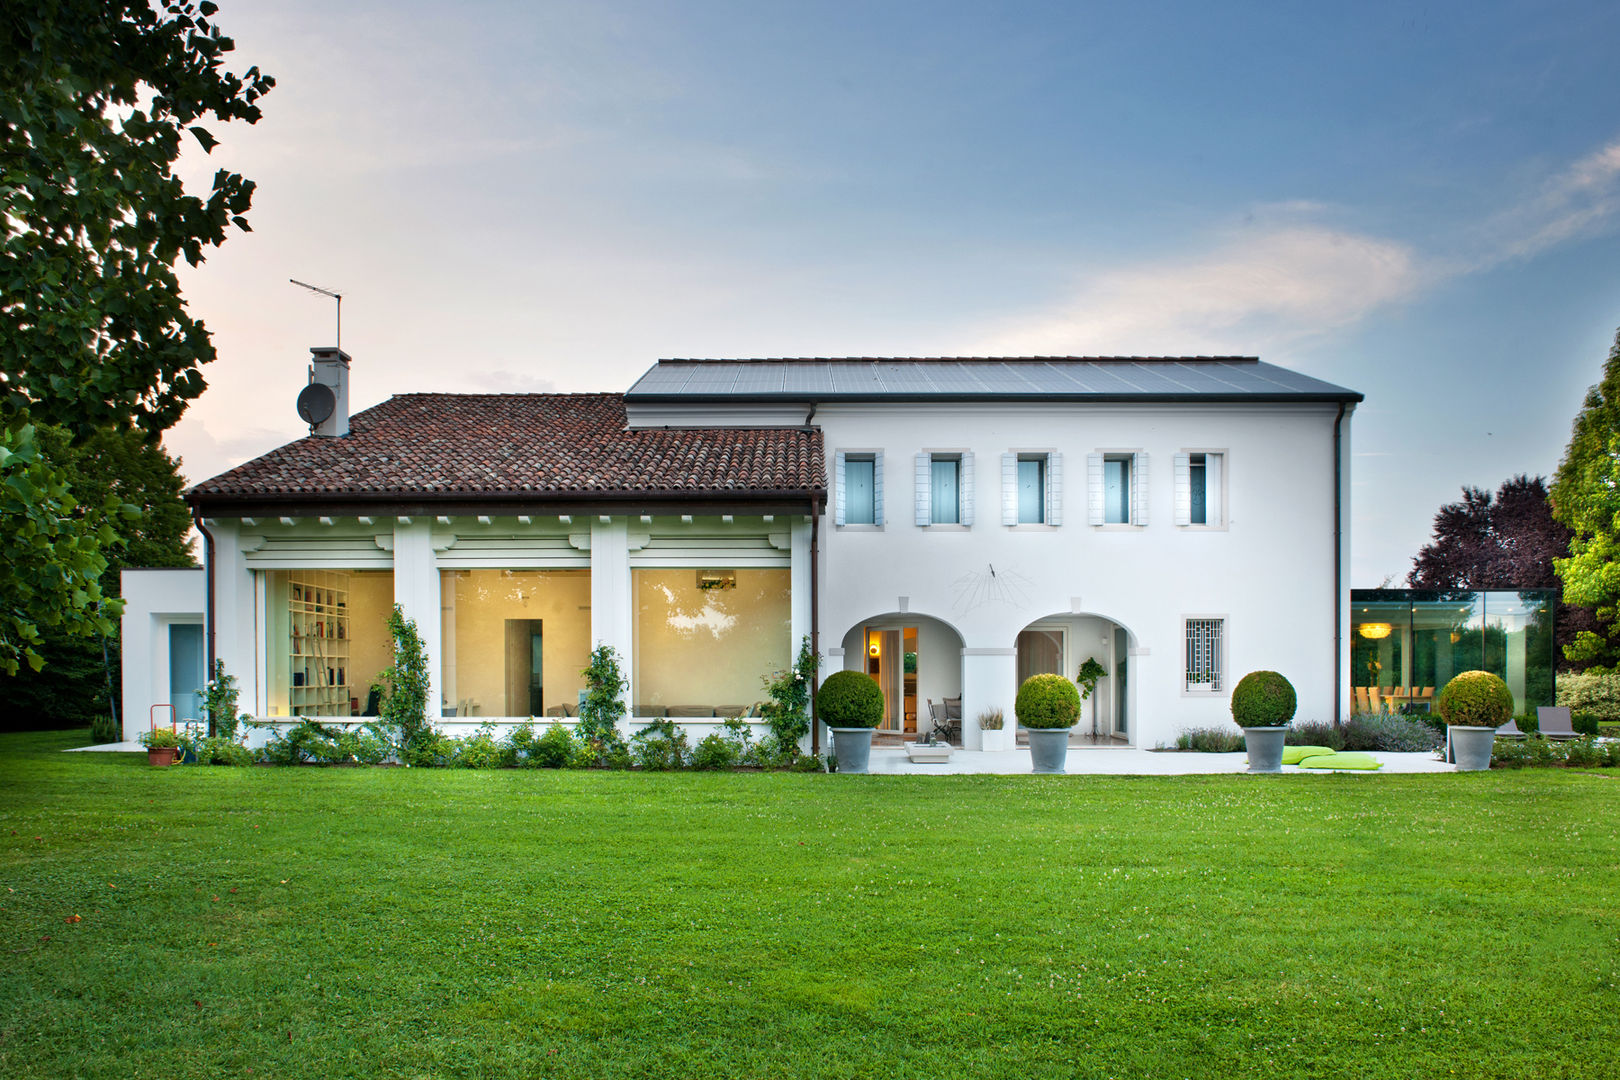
{"points": [[1407, 644], [326, 640], [1032, 490], [944, 503], [860, 506], [515, 641], [705, 640]]}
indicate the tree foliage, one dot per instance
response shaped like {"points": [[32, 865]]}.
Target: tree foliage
{"points": [[81, 674], [1586, 499], [98, 98], [1505, 542], [406, 682]]}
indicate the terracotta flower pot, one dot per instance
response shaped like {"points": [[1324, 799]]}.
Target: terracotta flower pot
{"points": [[161, 756]]}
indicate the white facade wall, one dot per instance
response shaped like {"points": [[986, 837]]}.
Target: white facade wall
{"points": [[154, 600], [1267, 571]]}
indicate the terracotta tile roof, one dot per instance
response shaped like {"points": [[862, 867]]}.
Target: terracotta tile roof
{"points": [[430, 446]]}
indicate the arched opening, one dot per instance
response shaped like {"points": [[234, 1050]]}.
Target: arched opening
{"points": [[917, 662], [1061, 644]]}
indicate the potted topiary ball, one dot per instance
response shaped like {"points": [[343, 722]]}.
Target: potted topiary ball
{"points": [[1263, 703], [851, 703], [1047, 706], [1474, 705]]}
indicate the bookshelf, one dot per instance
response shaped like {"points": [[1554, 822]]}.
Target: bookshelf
{"points": [[319, 638]]}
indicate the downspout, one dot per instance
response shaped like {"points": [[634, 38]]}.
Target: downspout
{"points": [[815, 602], [208, 602], [1338, 565]]}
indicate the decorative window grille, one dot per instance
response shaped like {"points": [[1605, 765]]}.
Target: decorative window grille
{"points": [[1204, 659]]}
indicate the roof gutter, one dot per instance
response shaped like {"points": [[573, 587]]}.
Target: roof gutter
{"points": [[1338, 563], [208, 602]]}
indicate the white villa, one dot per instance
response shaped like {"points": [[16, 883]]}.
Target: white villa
{"points": [[950, 526]]}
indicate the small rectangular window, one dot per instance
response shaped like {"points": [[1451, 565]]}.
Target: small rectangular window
{"points": [[1032, 490], [1117, 489], [860, 507], [1198, 480], [944, 500], [1204, 655]]}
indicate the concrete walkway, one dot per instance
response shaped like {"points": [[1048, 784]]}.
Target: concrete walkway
{"points": [[130, 747], [891, 760]]}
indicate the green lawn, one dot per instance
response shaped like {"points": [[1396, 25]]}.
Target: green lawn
{"points": [[346, 922]]}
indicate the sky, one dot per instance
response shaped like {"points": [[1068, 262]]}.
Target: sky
{"points": [[1420, 202]]}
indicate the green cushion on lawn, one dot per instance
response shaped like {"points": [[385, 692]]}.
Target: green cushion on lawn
{"points": [[1341, 761], [1293, 755]]}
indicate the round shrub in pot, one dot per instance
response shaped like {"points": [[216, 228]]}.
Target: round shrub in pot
{"points": [[1263, 702], [1047, 706], [1474, 705], [851, 703]]}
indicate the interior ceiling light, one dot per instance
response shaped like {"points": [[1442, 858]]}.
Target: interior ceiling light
{"points": [[1375, 630]]}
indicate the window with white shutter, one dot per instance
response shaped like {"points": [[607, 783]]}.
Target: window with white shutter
{"points": [[967, 488], [860, 489], [1200, 498], [1009, 489], [924, 489], [1117, 492], [939, 489]]}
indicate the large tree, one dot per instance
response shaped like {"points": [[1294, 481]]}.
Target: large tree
{"points": [[81, 676], [1506, 541], [96, 100], [1586, 498]]}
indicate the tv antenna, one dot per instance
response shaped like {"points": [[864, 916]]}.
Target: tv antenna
{"points": [[326, 292]]}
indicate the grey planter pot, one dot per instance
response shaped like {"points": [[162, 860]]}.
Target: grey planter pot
{"points": [[853, 748], [1049, 749], [1265, 746], [1472, 746]]}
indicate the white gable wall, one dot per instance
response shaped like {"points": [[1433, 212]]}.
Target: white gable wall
{"points": [[1267, 570]]}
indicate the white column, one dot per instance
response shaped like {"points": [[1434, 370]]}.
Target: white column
{"points": [[989, 681], [235, 626], [612, 608], [416, 591], [799, 620]]}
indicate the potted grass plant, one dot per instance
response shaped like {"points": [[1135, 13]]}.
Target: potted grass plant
{"points": [[1047, 706], [1473, 705], [851, 704], [162, 746], [1263, 704]]}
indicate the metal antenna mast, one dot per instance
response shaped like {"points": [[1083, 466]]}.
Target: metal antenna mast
{"points": [[327, 292]]}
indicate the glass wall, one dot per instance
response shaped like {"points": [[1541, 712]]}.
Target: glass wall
{"points": [[706, 639], [514, 641], [326, 640], [1406, 644]]}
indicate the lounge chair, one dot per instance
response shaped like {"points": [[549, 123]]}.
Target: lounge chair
{"points": [[1553, 721], [1509, 730]]}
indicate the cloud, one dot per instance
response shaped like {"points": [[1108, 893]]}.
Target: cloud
{"points": [[1257, 288], [1581, 202]]}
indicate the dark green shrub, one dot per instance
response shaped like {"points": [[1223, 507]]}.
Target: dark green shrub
{"points": [[1263, 699], [772, 753], [1389, 733], [788, 710], [218, 751], [1591, 692], [521, 741], [1475, 699], [1529, 723], [1585, 752], [715, 751], [659, 747], [603, 708], [219, 702], [428, 748], [1047, 702], [1210, 740], [1315, 733], [850, 699], [405, 684], [809, 763], [555, 749], [480, 750], [375, 743], [1583, 723]]}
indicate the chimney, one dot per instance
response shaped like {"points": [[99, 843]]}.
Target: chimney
{"points": [[331, 368]]}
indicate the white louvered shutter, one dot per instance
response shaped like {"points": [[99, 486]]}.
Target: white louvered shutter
{"points": [[1094, 489], [1054, 489], [925, 489], [877, 488], [1139, 489], [1009, 489], [965, 488], [838, 488], [1184, 489], [1214, 492]]}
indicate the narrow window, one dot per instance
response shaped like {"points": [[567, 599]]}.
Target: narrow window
{"points": [[860, 507], [1198, 480], [945, 505], [1032, 490], [1117, 489], [1204, 658]]}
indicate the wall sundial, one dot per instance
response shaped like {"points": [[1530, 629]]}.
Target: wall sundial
{"points": [[976, 588]]}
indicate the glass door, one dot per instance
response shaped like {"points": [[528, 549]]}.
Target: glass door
{"points": [[187, 670], [1121, 667], [885, 662]]}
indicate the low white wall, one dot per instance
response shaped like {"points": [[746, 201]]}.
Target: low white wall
{"points": [[154, 599]]}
